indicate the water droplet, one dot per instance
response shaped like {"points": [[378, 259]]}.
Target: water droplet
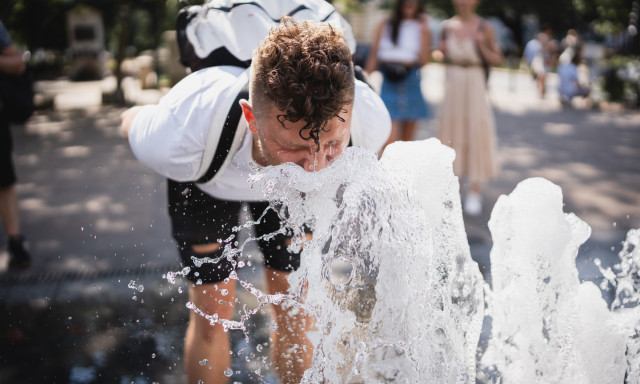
{"points": [[240, 264], [259, 347], [153, 355], [203, 362], [224, 292], [228, 372]]}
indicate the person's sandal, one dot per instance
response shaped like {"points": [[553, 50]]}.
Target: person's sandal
{"points": [[19, 257]]}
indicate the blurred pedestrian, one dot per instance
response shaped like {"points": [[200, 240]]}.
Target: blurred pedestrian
{"points": [[571, 84], [539, 53], [570, 45], [11, 64], [465, 119], [302, 94], [401, 46]]}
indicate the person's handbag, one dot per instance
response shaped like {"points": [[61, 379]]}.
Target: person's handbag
{"points": [[485, 65], [16, 97], [395, 72]]}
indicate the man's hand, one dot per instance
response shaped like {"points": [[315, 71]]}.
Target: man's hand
{"points": [[126, 118], [11, 61]]}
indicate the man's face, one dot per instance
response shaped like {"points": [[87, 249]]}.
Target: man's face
{"points": [[275, 144]]}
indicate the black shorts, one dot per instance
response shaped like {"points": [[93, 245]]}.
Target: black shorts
{"points": [[7, 170], [198, 218]]}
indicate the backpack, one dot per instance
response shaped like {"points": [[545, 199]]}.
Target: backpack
{"points": [[225, 32]]}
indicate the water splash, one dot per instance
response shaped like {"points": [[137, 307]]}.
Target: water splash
{"points": [[396, 296], [625, 278], [408, 310], [547, 327]]}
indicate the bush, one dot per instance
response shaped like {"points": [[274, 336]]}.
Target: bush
{"points": [[620, 80]]}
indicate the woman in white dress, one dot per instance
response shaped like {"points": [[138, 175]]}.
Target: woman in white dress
{"points": [[465, 118]]}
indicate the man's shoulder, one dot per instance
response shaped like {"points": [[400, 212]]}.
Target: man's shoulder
{"points": [[206, 85], [371, 123]]}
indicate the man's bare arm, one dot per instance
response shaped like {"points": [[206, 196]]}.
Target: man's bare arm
{"points": [[11, 61], [126, 118]]}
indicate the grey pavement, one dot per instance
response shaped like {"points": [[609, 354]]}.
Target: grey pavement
{"points": [[96, 221]]}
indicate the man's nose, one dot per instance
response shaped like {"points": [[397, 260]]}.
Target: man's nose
{"points": [[317, 160]]}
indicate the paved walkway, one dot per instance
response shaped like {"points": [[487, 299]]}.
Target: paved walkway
{"points": [[96, 220]]}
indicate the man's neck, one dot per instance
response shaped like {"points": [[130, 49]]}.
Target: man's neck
{"points": [[257, 153]]}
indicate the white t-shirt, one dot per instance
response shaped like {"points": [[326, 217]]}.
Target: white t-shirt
{"points": [[170, 137], [407, 48]]}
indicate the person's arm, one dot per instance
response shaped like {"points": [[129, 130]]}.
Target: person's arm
{"points": [[170, 137], [126, 118], [486, 40], [442, 43], [372, 59], [11, 61], [425, 51]]}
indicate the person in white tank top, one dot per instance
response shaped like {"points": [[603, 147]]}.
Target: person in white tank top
{"points": [[401, 46]]}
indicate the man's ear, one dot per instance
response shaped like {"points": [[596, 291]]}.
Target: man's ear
{"points": [[247, 111]]}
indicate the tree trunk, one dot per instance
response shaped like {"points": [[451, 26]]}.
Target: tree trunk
{"points": [[123, 37]]}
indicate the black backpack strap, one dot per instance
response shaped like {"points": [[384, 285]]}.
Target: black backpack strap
{"points": [[226, 136]]}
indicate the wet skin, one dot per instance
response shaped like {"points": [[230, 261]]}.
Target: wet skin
{"points": [[275, 144]]}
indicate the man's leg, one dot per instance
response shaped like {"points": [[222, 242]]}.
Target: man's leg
{"points": [[198, 219], [409, 130], [291, 350], [19, 257], [9, 210], [8, 195], [206, 347], [395, 132]]}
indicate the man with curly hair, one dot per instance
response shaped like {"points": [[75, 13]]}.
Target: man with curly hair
{"points": [[304, 107]]}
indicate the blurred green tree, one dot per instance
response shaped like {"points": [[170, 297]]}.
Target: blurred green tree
{"points": [[606, 16]]}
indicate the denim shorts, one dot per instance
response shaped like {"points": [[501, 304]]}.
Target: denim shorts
{"points": [[404, 99], [7, 170]]}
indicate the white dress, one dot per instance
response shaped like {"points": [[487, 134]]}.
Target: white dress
{"points": [[465, 118]]}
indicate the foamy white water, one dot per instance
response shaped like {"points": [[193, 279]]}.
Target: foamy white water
{"points": [[411, 308], [389, 278], [547, 327]]}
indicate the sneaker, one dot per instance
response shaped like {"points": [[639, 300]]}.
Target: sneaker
{"points": [[473, 204], [19, 257]]}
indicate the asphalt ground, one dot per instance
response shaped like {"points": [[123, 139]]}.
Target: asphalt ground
{"points": [[96, 223]]}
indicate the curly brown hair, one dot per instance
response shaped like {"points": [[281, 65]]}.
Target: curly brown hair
{"points": [[305, 70]]}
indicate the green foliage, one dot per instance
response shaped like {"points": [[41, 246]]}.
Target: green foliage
{"points": [[608, 16], [42, 23], [615, 85]]}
